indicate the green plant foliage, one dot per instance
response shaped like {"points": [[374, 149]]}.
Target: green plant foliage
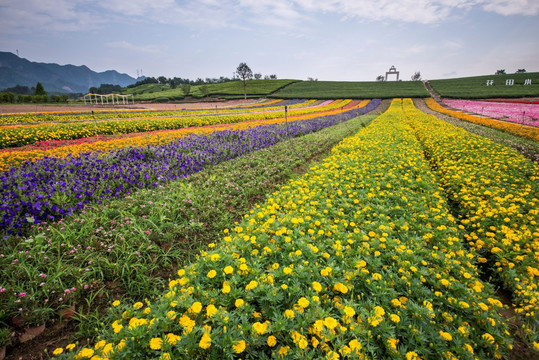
{"points": [[352, 90], [476, 87]]}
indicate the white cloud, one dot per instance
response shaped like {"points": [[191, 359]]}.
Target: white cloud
{"points": [[152, 49]]}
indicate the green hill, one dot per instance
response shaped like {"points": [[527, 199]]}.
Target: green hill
{"points": [[352, 90], [476, 87], [226, 90]]}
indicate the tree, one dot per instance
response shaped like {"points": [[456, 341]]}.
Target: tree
{"points": [[40, 90], [245, 73], [380, 78], [520, 71], [258, 76], [186, 88], [416, 76], [273, 77], [500, 72], [204, 90], [162, 80]]}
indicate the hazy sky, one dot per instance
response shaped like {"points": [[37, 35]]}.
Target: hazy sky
{"points": [[325, 39]]}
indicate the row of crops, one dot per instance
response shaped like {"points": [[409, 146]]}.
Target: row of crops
{"points": [[378, 251], [361, 257]]}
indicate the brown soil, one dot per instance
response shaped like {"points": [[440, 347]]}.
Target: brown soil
{"points": [[29, 108]]}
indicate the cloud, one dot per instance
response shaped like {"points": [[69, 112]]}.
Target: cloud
{"points": [[151, 49], [277, 15]]}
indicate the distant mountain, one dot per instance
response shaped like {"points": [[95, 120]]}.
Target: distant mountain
{"points": [[55, 78]]}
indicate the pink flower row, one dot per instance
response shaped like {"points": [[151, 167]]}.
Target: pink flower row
{"points": [[525, 114]]}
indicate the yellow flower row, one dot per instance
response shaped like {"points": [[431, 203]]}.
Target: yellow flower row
{"points": [[496, 191], [517, 129], [12, 159], [359, 258]]}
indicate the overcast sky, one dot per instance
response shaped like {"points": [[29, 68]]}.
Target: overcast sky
{"points": [[353, 40]]}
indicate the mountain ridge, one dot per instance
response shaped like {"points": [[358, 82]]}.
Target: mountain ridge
{"points": [[54, 77]]}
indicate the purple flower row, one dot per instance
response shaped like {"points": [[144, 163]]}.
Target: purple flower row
{"points": [[54, 188]]}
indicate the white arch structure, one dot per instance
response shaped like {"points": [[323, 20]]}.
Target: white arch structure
{"points": [[123, 99]]}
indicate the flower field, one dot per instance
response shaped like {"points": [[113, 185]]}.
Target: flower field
{"points": [[52, 188], [380, 251], [524, 114], [14, 157], [496, 192], [358, 258], [530, 132], [20, 135]]}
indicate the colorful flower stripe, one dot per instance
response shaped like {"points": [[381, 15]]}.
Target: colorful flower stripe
{"points": [[520, 130], [36, 118], [524, 114], [28, 134], [496, 190], [13, 159], [358, 258], [52, 188]]}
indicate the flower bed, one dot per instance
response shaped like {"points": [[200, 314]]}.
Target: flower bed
{"points": [[10, 159], [12, 136], [521, 130], [51, 188], [358, 258], [496, 195], [524, 114]]}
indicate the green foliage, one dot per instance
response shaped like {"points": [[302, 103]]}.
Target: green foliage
{"points": [[229, 90], [352, 90], [40, 90], [186, 88], [476, 87]]}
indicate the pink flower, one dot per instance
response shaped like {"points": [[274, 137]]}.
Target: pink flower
{"points": [[86, 287], [23, 294], [43, 275]]}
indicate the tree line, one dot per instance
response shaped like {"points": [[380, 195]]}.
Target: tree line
{"points": [[24, 95]]}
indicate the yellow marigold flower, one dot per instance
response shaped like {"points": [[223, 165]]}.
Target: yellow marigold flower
{"points": [[99, 344], [165, 356], [332, 355], [355, 345], [377, 276], [253, 284], [228, 270], [330, 323], [317, 286], [283, 351], [181, 272], [239, 303], [226, 288], [272, 341], [70, 347], [171, 315], [392, 343], [211, 274], [205, 341], [536, 345], [239, 346], [172, 339], [341, 288], [349, 311], [396, 303], [156, 343], [260, 328], [289, 314], [303, 302], [488, 338], [138, 305], [379, 311], [287, 270], [412, 355], [86, 352], [469, 348], [196, 307], [243, 267], [445, 335], [395, 318], [211, 310], [58, 351], [116, 303]]}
